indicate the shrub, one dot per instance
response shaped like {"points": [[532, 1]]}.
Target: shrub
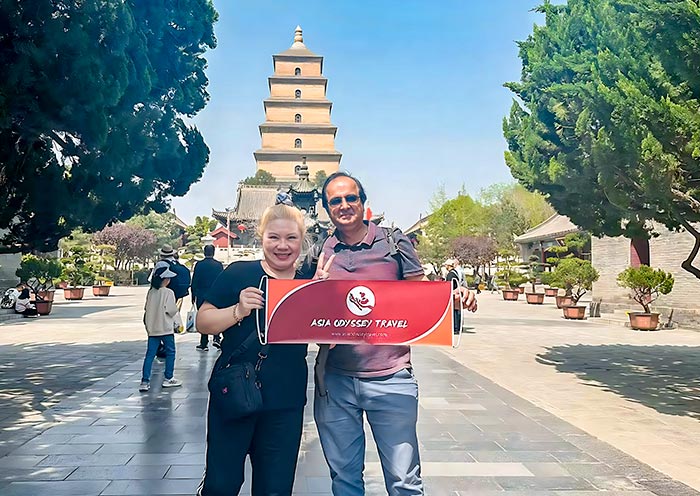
{"points": [[39, 273], [576, 276], [647, 284]]}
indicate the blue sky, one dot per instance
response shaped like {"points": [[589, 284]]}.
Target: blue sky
{"points": [[416, 88]]}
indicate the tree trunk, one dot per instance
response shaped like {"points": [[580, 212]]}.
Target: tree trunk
{"points": [[688, 262]]}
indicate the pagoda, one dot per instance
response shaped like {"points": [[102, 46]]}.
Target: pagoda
{"points": [[297, 117]]}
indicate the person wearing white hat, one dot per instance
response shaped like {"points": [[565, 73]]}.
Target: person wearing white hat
{"points": [[159, 318]]}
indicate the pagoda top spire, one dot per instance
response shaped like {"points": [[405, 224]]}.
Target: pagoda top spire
{"points": [[298, 38]]}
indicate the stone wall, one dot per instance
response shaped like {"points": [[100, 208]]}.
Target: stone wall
{"points": [[667, 251], [9, 263]]}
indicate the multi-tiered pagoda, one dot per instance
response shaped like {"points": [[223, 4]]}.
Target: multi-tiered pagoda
{"points": [[297, 127]]}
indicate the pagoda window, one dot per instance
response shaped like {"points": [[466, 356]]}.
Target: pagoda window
{"points": [[297, 93], [297, 71], [297, 118], [297, 143]]}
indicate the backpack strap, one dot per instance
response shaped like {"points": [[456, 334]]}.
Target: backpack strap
{"points": [[394, 250]]}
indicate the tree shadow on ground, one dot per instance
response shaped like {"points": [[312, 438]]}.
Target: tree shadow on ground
{"points": [[34, 377], [664, 378]]}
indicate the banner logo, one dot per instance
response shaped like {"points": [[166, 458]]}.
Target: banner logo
{"points": [[360, 301]]}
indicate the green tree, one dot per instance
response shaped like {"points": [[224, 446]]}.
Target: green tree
{"points": [[202, 227], [320, 178], [163, 226], [94, 102], [607, 121], [261, 178], [461, 216]]}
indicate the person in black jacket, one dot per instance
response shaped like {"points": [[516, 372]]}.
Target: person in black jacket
{"points": [[205, 273]]}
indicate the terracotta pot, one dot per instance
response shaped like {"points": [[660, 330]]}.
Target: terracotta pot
{"points": [[73, 293], [511, 294], [564, 301], [575, 312], [102, 290], [47, 295], [62, 285], [535, 298], [44, 307], [521, 289], [644, 321], [551, 292]]}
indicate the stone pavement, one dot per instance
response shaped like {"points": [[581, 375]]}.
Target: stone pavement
{"points": [[72, 421]]}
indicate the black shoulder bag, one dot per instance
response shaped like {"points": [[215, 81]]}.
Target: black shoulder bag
{"points": [[234, 388]]}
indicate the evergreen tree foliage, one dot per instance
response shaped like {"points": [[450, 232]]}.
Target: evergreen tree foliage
{"points": [[607, 120], [202, 227], [93, 106], [261, 178]]}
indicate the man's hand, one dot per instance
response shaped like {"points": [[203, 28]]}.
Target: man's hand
{"points": [[323, 270], [468, 299]]}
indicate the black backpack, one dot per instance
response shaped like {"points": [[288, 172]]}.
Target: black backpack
{"points": [[308, 267], [180, 285]]}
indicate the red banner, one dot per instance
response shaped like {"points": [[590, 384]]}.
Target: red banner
{"points": [[359, 312]]}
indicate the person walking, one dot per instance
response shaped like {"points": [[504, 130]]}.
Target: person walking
{"points": [[270, 436], [376, 382], [204, 274], [159, 320]]}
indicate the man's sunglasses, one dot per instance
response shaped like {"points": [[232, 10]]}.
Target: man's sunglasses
{"points": [[338, 200]]}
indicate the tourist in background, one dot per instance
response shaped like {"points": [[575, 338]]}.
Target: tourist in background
{"points": [[24, 305], [203, 276], [159, 319]]}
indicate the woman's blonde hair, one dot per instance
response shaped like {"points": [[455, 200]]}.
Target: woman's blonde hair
{"points": [[281, 212]]}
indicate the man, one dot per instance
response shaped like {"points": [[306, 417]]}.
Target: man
{"points": [[205, 273], [376, 381]]}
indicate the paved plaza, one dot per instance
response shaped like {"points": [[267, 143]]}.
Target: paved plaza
{"points": [[529, 405]]}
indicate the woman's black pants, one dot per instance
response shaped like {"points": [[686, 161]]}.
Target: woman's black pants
{"points": [[272, 440]]}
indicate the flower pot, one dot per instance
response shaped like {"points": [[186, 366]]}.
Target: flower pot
{"points": [[535, 298], [101, 290], [46, 295], [574, 312], [44, 307], [510, 294], [62, 285], [521, 289], [644, 321], [73, 293], [564, 301], [551, 292]]}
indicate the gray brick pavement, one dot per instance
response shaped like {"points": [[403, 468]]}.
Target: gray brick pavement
{"points": [[87, 431]]}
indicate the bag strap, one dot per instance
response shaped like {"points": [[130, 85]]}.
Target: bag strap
{"points": [[394, 250], [243, 348]]}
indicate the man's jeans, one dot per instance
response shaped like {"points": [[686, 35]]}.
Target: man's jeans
{"points": [[153, 342], [391, 405]]}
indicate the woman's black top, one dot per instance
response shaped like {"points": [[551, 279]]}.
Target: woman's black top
{"points": [[283, 374]]}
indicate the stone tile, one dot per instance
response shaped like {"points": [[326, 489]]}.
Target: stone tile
{"points": [[169, 458], [185, 472], [35, 474], [134, 448], [87, 460], [143, 487], [56, 488], [20, 461], [56, 449], [116, 472]]}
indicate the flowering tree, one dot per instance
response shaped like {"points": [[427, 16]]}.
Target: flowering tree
{"points": [[131, 244]]}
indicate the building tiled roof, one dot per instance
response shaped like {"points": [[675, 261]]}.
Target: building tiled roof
{"points": [[557, 226]]}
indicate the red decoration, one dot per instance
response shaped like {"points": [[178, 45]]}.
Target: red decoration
{"points": [[242, 227]]}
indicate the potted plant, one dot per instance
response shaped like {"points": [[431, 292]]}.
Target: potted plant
{"points": [[533, 272], [506, 276], [550, 290], [78, 272], [103, 256], [39, 274], [576, 277], [647, 285]]}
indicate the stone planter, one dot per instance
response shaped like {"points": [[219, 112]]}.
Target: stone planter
{"points": [[564, 301], [551, 292], [535, 298], [100, 290], [644, 321], [73, 293], [575, 312], [44, 307], [510, 294]]}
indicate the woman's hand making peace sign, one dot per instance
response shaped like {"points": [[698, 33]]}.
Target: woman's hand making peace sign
{"points": [[323, 270]]}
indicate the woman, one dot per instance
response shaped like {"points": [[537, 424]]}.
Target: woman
{"points": [[272, 436], [23, 304], [159, 319]]}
